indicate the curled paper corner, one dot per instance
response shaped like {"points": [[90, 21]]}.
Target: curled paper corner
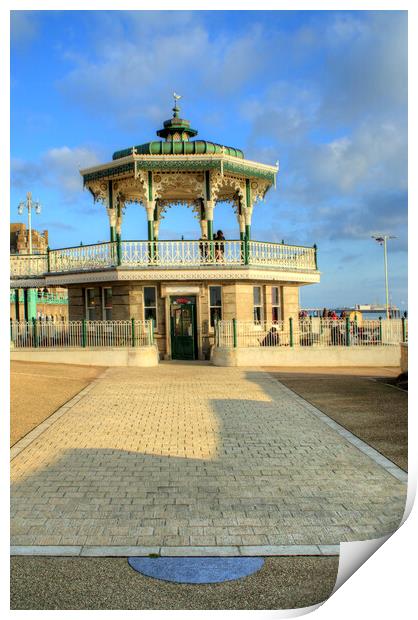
{"points": [[294, 613], [355, 554]]}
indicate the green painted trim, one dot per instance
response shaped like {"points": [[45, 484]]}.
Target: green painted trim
{"points": [[180, 147], [25, 304], [347, 331], [107, 172], [17, 305], [247, 193], [210, 230], [35, 333], [84, 333], [32, 297], [150, 231], [210, 238], [152, 332], [200, 164], [403, 329], [110, 193], [248, 170], [246, 251], [315, 247], [118, 249], [149, 185], [248, 232], [207, 184], [291, 342], [112, 234], [242, 235], [133, 331], [234, 333]]}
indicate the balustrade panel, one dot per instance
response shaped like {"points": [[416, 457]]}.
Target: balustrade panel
{"points": [[83, 258], [28, 265]]}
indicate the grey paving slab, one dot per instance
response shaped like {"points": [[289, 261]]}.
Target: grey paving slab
{"points": [[197, 456], [103, 551]]}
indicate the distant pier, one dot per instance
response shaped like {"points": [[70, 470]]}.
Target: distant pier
{"points": [[394, 311]]}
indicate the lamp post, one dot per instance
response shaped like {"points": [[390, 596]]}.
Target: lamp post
{"points": [[382, 240], [29, 206]]}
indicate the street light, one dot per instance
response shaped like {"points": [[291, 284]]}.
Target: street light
{"points": [[29, 206], [382, 240]]}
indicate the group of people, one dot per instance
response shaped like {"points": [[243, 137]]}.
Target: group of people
{"points": [[326, 314], [218, 238]]}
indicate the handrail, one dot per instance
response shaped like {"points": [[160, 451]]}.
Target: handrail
{"points": [[166, 253]]}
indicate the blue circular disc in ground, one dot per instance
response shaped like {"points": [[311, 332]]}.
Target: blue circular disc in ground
{"points": [[197, 570]]}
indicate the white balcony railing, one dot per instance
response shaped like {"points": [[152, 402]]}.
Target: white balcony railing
{"points": [[83, 258], [315, 332], [166, 254], [288, 256], [69, 334]]}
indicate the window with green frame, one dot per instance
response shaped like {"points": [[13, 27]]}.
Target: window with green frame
{"points": [[276, 306], [150, 304], [215, 304], [257, 304]]}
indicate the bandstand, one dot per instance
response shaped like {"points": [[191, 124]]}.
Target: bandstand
{"points": [[184, 286]]}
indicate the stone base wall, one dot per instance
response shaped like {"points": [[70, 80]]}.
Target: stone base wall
{"points": [[308, 356], [141, 356], [237, 302]]}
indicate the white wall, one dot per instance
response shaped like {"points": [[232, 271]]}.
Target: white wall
{"points": [[308, 356]]}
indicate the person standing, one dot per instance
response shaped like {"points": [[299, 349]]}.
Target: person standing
{"points": [[219, 246], [203, 248]]}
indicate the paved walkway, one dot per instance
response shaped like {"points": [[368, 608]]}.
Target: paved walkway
{"points": [[197, 455]]}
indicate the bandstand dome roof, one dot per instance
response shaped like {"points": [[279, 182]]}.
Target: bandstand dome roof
{"points": [[177, 133]]}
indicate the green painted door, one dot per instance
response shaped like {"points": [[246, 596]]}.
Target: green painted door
{"points": [[183, 328]]}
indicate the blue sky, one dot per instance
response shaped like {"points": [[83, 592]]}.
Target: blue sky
{"points": [[325, 93]]}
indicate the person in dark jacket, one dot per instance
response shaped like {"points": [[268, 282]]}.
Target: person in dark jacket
{"points": [[271, 339], [219, 246]]}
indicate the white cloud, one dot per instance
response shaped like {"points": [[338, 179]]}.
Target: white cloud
{"points": [[57, 167], [137, 61]]}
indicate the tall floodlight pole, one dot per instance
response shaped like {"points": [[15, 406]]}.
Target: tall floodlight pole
{"points": [[29, 206], [382, 240]]}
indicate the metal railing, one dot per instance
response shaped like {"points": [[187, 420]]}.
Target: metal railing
{"points": [[314, 332], [289, 256], [24, 265], [83, 258], [73, 334], [43, 298], [166, 254]]}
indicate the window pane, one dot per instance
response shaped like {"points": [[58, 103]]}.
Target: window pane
{"points": [[257, 313], [275, 296], [215, 315], [107, 297], [275, 314], [91, 314], [215, 296], [90, 297], [257, 295], [108, 314], [150, 313], [149, 296]]}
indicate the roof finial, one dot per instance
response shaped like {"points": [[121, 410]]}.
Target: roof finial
{"points": [[176, 109]]}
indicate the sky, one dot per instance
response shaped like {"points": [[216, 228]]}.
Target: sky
{"points": [[322, 92]]}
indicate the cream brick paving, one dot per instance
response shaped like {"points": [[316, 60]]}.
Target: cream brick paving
{"points": [[196, 455]]}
